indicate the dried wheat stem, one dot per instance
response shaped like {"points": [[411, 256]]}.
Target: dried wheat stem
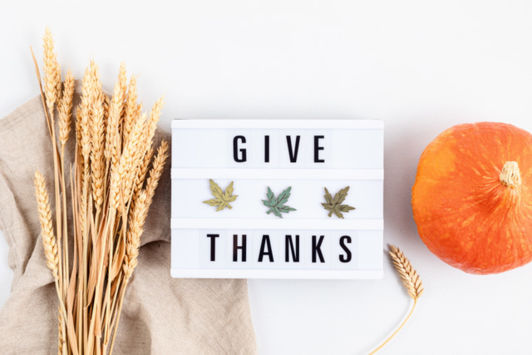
{"points": [[155, 114], [97, 131], [52, 92], [156, 171], [409, 276], [134, 232], [112, 149], [139, 212], [130, 160], [45, 218], [412, 284], [131, 109], [142, 172], [48, 237], [52, 72], [64, 109]]}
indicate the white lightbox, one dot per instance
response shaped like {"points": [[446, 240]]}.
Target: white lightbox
{"points": [[277, 199]]}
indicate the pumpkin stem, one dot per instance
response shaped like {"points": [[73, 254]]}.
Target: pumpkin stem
{"points": [[510, 175]]}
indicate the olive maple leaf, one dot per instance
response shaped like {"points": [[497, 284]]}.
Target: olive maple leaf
{"points": [[222, 199], [334, 204], [277, 205]]}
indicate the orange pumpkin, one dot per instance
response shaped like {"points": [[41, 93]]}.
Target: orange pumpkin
{"points": [[472, 199]]}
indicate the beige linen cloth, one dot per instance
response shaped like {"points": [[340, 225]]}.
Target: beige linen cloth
{"points": [[161, 315]]}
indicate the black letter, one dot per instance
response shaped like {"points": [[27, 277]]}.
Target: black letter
{"points": [[316, 251], [292, 152], [265, 244], [235, 149], [317, 148], [213, 245], [289, 248], [347, 257], [236, 247], [266, 149]]}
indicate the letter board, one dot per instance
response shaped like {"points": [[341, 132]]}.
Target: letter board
{"points": [[277, 199]]}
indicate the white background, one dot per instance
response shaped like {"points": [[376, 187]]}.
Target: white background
{"points": [[421, 66]]}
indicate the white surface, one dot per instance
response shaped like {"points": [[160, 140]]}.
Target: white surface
{"points": [[420, 66]]}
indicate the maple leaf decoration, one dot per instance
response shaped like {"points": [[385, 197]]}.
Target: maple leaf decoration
{"points": [[221, 198], [334, 204], [277, 204]]}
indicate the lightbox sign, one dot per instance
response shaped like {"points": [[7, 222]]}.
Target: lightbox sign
{"points": [[277, 199]]}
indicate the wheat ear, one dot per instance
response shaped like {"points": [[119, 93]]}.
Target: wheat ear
{"points": [[65, 109], [131, 109], [45, 217], [411, 282], [409, 276], [112, 146], [156, 171], [97, 135], [135, 228], [61, 343], [52, 72]]}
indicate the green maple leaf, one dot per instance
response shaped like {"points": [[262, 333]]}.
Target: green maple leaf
{"points": [[334, 204], [222, 199], [277, 205]]}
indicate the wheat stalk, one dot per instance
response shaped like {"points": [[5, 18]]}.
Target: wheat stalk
{"points": [[155, 114], [97, 132], [47, 230], [131, 108], [112, 149], [409, 276], [133, 235], [65, 109], [157, 170], [411, 282], [52, 72]]}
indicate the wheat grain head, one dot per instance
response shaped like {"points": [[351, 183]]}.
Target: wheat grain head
{"points": [[45, 218], [409, 276], [135, 228], [52, 72], [97, 131], [65, 108], [156, 170], [112, 150], [131, 109]]}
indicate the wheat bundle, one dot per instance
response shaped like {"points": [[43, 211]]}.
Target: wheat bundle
{"points": [[108, 188]]}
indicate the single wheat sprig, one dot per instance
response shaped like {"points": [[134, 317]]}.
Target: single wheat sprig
{"points": [[135, 228], [97, 131], [156, 170], [84, 112], [131, 109], [47, 230], [112, 143], [142, 172], [65, 109], [411, 282], [409, 276], [52, 72], [155, 114], [132, 157]]}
